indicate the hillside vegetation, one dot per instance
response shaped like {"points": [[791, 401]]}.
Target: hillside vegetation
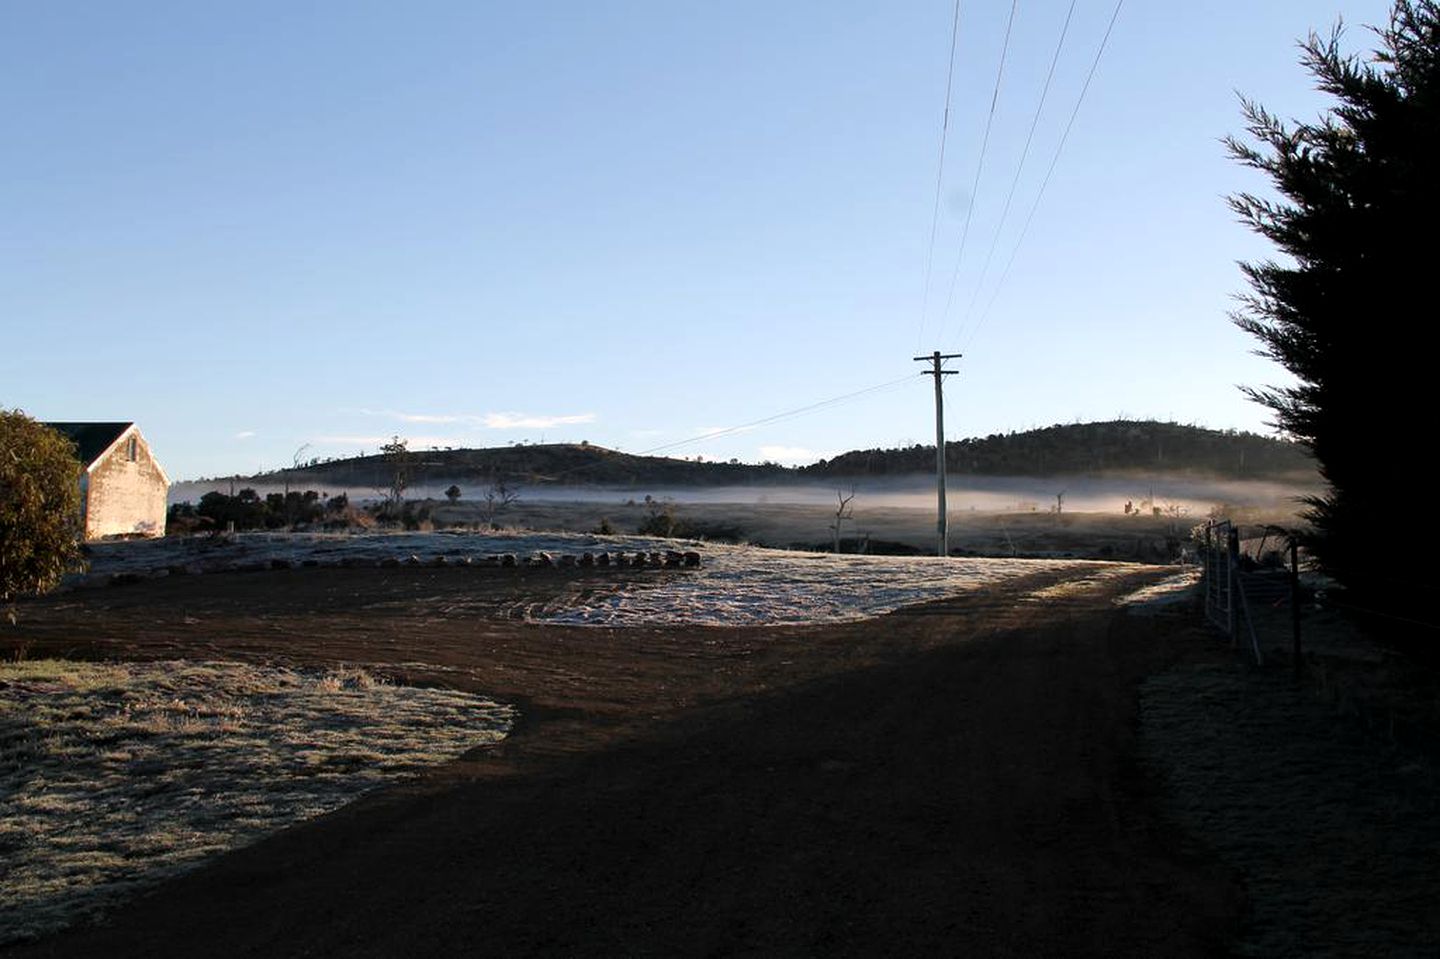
{"points": [[1087, 448], [1075, 449], [533, 465]]}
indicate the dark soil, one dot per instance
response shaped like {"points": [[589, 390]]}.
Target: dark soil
{"points": [[957, 778]]}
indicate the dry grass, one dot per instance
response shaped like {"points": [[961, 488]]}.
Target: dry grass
{"points": [[113, 776]]}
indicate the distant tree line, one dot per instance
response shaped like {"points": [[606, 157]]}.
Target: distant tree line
{"points": [[531, 465], [1085, 448], [1121, 445], [247, 510]]}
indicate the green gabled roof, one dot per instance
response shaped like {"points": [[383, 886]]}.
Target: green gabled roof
{"points": [[91, 439]]}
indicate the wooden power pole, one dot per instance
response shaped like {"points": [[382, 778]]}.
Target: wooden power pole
{"points": [[942, 526]]}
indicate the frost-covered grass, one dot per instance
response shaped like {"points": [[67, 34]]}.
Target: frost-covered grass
{"points": [[744, 586], [202, 554], [734, 586], [1181, 587], [114, 776]]}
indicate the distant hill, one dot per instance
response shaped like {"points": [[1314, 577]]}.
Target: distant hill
{"points": [[554, 464], [1081, 448], [1117, 446]]}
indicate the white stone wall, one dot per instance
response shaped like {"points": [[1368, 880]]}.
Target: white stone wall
{"points": [[125, 497]]}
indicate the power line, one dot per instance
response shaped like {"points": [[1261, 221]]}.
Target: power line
{"points": [[1104, 41], [1019, 167], [980, 163], [939, 172], [773, 418], [777, 417]]}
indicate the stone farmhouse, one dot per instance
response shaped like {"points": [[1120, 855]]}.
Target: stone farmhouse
{"points": [[122, 488]]}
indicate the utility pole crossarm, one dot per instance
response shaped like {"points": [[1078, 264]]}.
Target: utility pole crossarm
{"points": [[942, 532]]}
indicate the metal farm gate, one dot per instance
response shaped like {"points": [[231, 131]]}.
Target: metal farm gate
{"points": [[1221, 553], [1234, 587]]}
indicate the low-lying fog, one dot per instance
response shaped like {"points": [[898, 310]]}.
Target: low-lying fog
{"points": [[1189, 495]]}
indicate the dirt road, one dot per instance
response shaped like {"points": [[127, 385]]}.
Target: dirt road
{"points": [[955, 779]]}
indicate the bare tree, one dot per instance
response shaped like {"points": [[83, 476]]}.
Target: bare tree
{"points": [[843, 511], [497, 498], [289, 505], [398, 461]]}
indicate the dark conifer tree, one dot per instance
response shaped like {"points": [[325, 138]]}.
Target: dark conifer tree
{"points": [[1350, 307]]}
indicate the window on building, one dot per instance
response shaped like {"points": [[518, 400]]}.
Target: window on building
{"points": [[132, 450]]}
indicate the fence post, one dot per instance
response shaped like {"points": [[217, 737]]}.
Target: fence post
{"points": [[1232, 580], [1212, 589], [1207, 578], [1295, 603]]}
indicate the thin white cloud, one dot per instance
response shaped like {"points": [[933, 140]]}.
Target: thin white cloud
{"points": [[244, 434], [528, 421], [415, 443], [508, 420], [425, 442], [421, 417], [352, 440], [434, 418]]}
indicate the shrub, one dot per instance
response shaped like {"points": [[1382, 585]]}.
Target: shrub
{"points": [[39, 506]]}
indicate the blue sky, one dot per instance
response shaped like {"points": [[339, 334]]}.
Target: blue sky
{"points": [[262, 226]]}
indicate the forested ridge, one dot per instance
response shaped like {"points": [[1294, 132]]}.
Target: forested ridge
{"points": [[1070, 449], [1087, 448]]}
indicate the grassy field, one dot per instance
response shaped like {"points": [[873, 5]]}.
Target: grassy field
{"points": [[113, 776]]}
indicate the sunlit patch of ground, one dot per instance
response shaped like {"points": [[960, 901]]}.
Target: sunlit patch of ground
{"points": [[742, 586], [1089, 578], [114, 776], [1179, 588]]}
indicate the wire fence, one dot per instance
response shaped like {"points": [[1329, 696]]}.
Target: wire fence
{"points": [[1245, 588]]}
